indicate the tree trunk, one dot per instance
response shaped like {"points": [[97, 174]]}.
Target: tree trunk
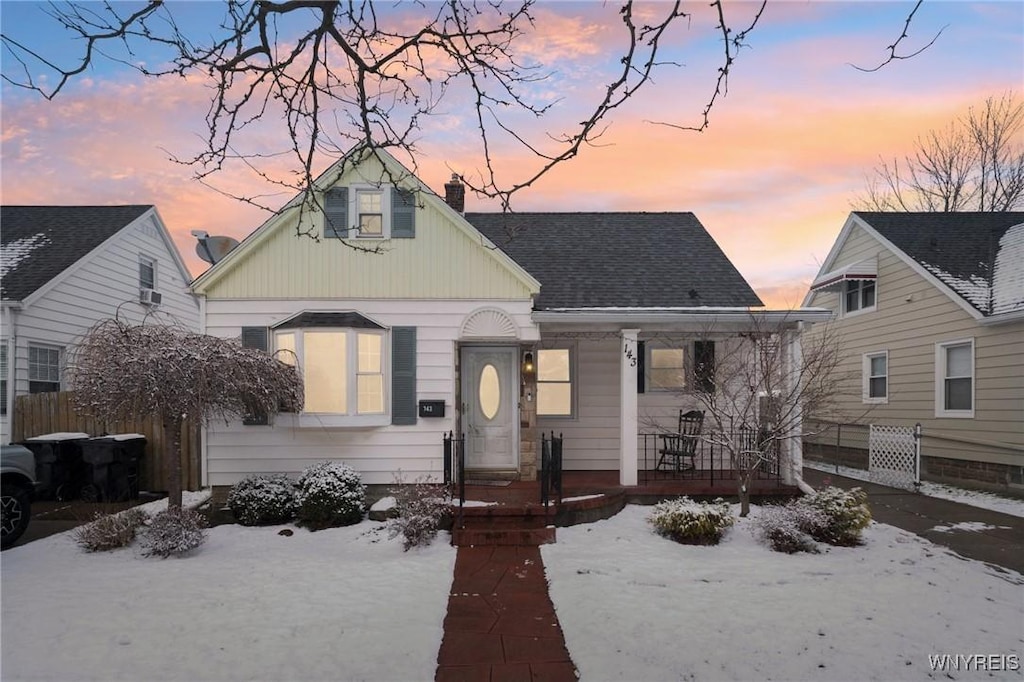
{"points": [[744, 491], [172, 460]]}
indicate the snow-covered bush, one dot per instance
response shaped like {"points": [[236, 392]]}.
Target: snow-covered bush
{"points": [[260, 500], [789, 528], [846, 514], [330, 494], [690, 522], [173, 531], [422, 509], [109, 531]]}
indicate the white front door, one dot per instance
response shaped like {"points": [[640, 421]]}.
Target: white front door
{"points": [[489, 407]]}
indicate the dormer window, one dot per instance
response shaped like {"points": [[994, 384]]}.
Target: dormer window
{"points": [[858, 295]]}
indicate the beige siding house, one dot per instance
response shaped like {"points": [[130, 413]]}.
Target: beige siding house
{"points": [[930, 312], [410, 319]]}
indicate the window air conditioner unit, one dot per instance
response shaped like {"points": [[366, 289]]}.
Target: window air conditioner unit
{"points": [[150, 297]]}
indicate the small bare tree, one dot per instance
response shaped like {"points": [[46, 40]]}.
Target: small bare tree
{"points": [[755, 391], [976, 164], [126, 371]]}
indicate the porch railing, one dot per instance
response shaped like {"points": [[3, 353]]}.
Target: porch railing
{"points": [[550, 468], [455, 463], [713, 459]]}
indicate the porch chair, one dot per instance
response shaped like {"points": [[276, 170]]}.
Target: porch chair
{"points": [[680, 448]]}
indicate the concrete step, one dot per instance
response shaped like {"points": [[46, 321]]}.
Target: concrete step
{"points": [[492, 537]]}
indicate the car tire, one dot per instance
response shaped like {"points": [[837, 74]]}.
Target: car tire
{"points": [[15, 512]]}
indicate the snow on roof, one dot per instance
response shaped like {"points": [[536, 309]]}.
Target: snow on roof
{"points": [[975, 290], [1008, 273], [13, 253]]}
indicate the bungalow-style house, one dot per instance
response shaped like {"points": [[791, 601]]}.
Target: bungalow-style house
{"points": [[65, 268], [496, 326], [930, 313]]}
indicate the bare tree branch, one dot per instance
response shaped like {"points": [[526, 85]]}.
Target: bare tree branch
{"points": [[892, 56]]}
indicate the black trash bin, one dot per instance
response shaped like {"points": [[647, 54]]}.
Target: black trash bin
{"points": [[60, 469], [115, 467]]}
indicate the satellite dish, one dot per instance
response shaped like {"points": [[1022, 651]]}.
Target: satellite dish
{"points": [[213, 249]]}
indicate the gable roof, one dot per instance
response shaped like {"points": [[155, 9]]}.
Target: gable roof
{"points": [[622, 260], [37, 243], [979, 257]]}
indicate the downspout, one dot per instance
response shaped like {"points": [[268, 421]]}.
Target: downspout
{"points": [[796, 443], [12, 345]]}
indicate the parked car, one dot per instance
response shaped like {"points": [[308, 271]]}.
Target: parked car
{"points": [[18, 479]]}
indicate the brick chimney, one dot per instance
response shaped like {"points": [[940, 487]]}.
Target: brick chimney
{"points": [[455, 193]]}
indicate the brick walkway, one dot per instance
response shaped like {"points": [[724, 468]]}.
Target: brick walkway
{"points": [[501, 625]]}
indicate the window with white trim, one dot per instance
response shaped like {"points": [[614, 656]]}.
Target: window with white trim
{"points": [[554, 382], [858, 295], [369, 208], [147, 272], [43, 369], [666, 368], [954, 378], [876, 377], [343, 369]]}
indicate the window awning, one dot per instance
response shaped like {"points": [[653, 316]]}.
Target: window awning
{"points": [[331, 319], [831, 281]]}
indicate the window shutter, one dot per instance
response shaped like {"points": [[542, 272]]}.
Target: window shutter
{"points": [[641, 366], [255, 337], [704, 366], [403, 375], [403, 213], [336, 213]]}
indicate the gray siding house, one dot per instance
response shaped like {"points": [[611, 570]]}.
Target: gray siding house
{"points": [[65, 268], [930, 311]]}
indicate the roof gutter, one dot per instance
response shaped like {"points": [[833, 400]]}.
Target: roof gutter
{"points": [[633, 316], [1002, 318]]}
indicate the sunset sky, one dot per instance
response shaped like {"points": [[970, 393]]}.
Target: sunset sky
{"points": [[772, 179]]}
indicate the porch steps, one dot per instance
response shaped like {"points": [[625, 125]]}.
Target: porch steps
{"points": [[526, 525]]}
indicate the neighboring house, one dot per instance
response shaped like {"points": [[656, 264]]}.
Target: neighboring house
{"points": [[930, 312], [65, 268], [495, 326]]}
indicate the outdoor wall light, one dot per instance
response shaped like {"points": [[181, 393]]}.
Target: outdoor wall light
{"points": [[528, 363]]}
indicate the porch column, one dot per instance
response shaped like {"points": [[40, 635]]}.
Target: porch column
{"points": [[794, 446], [628, 363]]}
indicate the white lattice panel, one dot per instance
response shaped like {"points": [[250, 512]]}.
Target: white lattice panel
{"points": [[893, 456]]}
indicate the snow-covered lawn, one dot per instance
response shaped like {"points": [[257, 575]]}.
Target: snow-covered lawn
{"points": [[635, 606], [338, 604]]}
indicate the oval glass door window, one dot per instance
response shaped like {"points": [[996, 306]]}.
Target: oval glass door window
{"points": [[490, 391]]}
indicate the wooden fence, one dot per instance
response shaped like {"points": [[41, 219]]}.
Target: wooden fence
{"points": [[42, 413]]}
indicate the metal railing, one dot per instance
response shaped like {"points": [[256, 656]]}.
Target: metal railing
{"points": [[713, 460], [550, 468], [455, 463]]}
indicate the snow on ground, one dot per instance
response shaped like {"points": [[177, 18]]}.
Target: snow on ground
{"points": [[636, 606], [973, 526], [974, 498], [338, 604]]}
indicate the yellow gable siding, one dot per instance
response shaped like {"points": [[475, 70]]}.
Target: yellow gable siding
{"points": [[441, 262]]}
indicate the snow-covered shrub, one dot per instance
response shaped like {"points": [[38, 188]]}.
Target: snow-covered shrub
{"points": [[109, 531], [690, 522], [846, 514], [173, 531], [330, 494], [789, 528], [422, 508], [263, 500]]}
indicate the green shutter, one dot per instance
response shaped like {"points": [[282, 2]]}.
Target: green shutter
{"points": [[255, 337], [336, 213], [641, 364], [403, 375], [403, 213]]}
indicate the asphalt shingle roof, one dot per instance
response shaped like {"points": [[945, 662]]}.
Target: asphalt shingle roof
{"points": [[962, 250], [37, 243], [634, 260]]}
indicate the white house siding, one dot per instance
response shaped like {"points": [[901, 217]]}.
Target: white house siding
{"points": [[912, 316], [378, 453], [95, 289]]}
